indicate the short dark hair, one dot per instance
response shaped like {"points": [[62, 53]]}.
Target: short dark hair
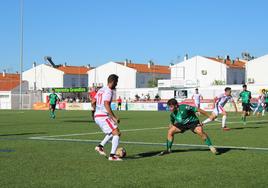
{"points": [[112, 78], [172, 102], [227, 89], [263, 90], [53, 89], [244, 86], [196, 89]]}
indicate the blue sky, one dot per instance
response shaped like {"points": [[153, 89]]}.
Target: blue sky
{"points": [[94, 32]]}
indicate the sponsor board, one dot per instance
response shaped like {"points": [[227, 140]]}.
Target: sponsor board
{"points": [[143, 106], [74, 106], [86, 106], [41, 106]]}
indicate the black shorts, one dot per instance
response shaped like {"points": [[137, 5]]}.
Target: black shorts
{"points": [[189, 126], [53, 106], [119, 104], [246, 107]]}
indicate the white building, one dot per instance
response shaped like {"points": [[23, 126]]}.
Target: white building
{"points": [[257, 71], [47, 76], [9, 90], [205, 71], [131, 75]]}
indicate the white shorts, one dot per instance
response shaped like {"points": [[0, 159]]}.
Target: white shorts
{"points": [[106, 123], [218, 110], [197, 104]]}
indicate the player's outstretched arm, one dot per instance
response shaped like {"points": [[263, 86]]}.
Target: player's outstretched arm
{"points": [[238, 99], [234, 106]]}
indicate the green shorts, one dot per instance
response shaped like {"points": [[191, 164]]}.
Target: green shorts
{"points": [[189, 126]]}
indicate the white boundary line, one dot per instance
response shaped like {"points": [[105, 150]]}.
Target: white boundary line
{"points": [[149, 143], [56, 138], [142, 129], [93, 133]]}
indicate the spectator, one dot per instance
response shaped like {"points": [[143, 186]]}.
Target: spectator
{"points": [[157, 97], [137, 97], [148, 97], [126, 103], [119, 103]]}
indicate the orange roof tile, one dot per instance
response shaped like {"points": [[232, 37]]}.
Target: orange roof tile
{"points": [[237, 63], [73, 69], [9, 81], [143, 68]]}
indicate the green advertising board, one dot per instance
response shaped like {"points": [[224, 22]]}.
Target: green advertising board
{"points": [[71, 90]]}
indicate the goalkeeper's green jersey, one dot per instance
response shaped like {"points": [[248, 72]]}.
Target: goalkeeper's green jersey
{"points": [[246, 96], [184, 115], [53, 98]]}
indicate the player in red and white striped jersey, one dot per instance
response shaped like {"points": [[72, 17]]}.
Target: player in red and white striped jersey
{"points": [[220, 102], [106, 119], [261, 103]]}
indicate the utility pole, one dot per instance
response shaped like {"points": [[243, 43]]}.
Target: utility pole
{"points": [[21, 50]]}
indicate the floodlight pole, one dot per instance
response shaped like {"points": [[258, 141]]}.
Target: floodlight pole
{"points": [[21, 49]]}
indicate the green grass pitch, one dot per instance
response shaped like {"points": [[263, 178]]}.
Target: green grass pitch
{"points": [[70, 160]]}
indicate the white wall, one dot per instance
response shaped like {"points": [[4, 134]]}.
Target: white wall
{"points": [[5, 99], [258, 69], [127, 76], [190, 71], [45, 77]]}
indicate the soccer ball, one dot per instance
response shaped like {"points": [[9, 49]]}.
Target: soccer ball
{"points": [[121, 152]]}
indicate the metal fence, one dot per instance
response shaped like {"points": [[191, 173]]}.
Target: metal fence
{"points": [[25, 101]]}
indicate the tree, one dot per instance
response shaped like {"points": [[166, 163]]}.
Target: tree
{"points": [[218, 82], [152, 82]]}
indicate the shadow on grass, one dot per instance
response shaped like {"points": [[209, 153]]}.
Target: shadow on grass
{"points": [[240, 128], [22, 134], [78, 121], [157, 153]]}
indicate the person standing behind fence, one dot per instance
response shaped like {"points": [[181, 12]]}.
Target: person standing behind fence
{"points": [[92, 95], [266, 100], [53, 99], [197, 97], [119, 103], [126, 103]]}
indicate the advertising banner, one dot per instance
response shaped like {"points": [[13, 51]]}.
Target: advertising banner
{"points": [[74, 106], [143, 106], [62, 105], [40, 106], [86, 106], [162, 106]]}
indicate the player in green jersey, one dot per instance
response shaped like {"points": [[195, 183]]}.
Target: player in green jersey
{"points": [[53, 99], [183, 117], [245, 96], [266, 100]]}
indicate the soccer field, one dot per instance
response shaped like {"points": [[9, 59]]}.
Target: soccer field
{"points": [[36, 151]]}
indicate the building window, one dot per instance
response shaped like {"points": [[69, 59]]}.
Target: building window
{"points": [[73, 82], [83, 82]]}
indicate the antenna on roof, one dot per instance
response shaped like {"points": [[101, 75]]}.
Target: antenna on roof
{"points": [[150, 63], [186, 57], [49, 60]]}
